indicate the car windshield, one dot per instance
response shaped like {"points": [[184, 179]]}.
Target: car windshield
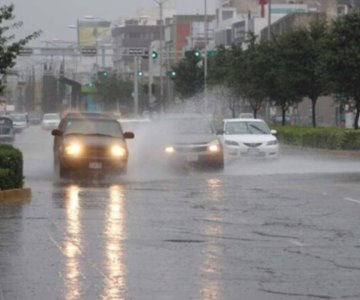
{"points": [[18, 118], [246, 127], [187, 126], [51, 117], [93, 127], [5, 122]]}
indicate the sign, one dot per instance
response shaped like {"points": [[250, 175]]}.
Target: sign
{"points": [[136, 51], [239, 32], [57, 51], [26, 52], [92, 32], [89, 51]]}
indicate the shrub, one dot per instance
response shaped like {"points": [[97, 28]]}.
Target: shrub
{"points": [[326, 138], [11, 167]]}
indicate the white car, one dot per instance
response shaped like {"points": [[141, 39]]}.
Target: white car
{"points": [[50, 121], [245, 138], [20, 121]]}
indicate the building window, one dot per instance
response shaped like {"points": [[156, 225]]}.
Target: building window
{"points": [[134, 35]]}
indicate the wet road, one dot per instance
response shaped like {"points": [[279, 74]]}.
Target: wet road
{"points": [[287, 229]]}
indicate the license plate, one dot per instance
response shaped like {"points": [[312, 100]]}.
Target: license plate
{"points": [[95, 165], [192, 157], [253, 152]]}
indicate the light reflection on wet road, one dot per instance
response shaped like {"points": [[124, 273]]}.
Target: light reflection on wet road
{"points": [[273, 230]]}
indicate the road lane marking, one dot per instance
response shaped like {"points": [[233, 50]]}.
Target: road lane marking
{"points": [[297, 243], [352, 200]]}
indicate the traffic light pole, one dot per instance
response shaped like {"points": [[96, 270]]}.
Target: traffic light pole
{"points": [[160, 3], [150, 82], [205, 57], [136, 86]]}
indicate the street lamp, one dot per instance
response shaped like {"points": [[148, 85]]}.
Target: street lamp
{"points": [[269, 20], [161, 3], [205, 56]]}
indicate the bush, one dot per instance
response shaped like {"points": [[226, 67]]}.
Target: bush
{"points": [[11, 167], [325, 138]]}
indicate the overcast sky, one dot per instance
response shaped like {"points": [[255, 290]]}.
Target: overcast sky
{"points": [[54, 16]]}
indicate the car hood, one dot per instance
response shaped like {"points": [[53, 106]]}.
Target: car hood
{"points": [[93, 141], [249, 138], [193, 138], [19, 123], [51, 121]]}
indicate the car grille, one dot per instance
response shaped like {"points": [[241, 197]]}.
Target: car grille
{"points": [[190, 148], [96, 152], [252, 145]]}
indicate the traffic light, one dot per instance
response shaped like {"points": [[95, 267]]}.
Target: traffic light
{"points": [[191, 54], [154, 54], [140, 73], [103, 73], [171, 73]]}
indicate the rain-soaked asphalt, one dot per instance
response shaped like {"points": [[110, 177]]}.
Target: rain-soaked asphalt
{"points": [[286, 229]]}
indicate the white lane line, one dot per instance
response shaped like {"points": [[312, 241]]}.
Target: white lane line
{"points": [[352, 200], [297, 243]]}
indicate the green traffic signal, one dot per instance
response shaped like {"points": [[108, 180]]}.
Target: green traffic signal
{"points": [[103, 73], [194, 53], [154, 54], [140, 73], [171, 74], [197, 53]]}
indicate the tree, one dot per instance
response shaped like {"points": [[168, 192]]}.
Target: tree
{"points": [[9, 48], [311, 45], [250, 74], [285, 77], [221, 68], [189, 79], [114, 90], [343, 59]]}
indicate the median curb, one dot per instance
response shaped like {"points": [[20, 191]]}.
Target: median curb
{"points": [[318, 151], [14, 195]]}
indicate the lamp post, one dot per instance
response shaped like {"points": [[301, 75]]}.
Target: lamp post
{"points": [[161, 52], [269, 20], [205, 56]]}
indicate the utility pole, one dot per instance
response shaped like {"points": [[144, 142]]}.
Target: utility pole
{"points": [[136, 86], [205, 57], [161, 52], [269, 20]]}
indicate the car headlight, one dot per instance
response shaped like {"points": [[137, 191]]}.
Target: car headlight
{"points": [[214, 146], [231, 143], [169, 150], [272, 143], [118, 151], [73, 149]]}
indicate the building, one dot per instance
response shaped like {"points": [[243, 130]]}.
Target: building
{"points": [[234, 18], [187, 32], [127, 39]]}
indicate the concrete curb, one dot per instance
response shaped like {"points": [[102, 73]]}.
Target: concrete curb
{"points": [[15, 195], [318, 151]]}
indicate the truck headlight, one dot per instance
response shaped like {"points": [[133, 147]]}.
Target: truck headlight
{"points": [[73, 149], [169, 150], [118, 151]]}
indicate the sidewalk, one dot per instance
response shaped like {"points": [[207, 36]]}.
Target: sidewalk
{"points": [[23, 194]]}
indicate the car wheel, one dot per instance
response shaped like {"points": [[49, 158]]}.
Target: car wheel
{"points": [[63, 172], [122, 171], [219, 165]]}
